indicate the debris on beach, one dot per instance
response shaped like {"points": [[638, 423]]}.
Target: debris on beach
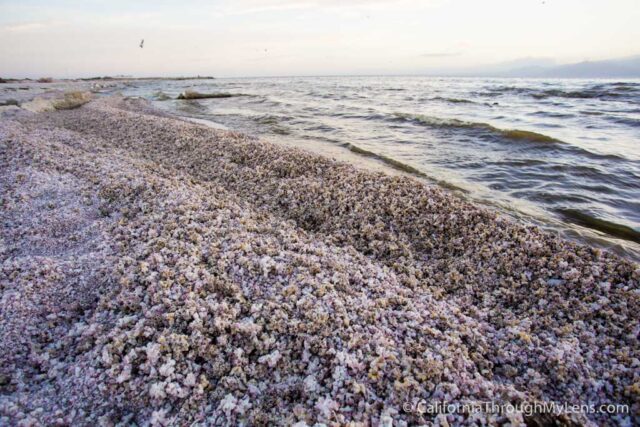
{"points": [[158, 272]]}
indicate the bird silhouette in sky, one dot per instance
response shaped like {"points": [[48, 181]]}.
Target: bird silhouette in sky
{"points": [[142, 44]]}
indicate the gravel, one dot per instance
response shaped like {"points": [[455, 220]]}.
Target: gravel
{"points": [[158, 272]]}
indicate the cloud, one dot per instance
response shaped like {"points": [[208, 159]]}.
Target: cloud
{"points": [[321, 3], [257, 6], [23, 27]]}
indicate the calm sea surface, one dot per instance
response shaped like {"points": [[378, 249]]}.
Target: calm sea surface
{"points": [[564, 154]]}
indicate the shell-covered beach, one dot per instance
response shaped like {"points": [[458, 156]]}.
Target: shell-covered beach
{"points": [[159, 272]]}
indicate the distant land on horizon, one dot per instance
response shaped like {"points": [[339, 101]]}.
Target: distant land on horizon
{"points": [[628, 67]]}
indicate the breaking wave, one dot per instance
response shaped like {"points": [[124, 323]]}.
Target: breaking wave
{"points": [[161, 96], [586, 220], [513, 134]]}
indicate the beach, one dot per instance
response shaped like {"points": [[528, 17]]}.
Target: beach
{"points": [[158, 271], [561, 154]]}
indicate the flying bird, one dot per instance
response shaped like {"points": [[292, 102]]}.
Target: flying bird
{"points": [[142, 44]]}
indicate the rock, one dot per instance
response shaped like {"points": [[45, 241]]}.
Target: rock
{"points": [[72, 100], [69, 101], [39, 105]]}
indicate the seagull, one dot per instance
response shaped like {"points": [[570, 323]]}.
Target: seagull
{"points": [[142, 44]]}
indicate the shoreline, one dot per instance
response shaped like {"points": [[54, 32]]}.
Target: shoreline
{"points": [[579, 227], [160, 271], [582, 226]]}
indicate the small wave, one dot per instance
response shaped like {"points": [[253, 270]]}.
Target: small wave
{"points": [[618, 86], [325, 95], [487, 94], [320, 127], [635, 84], [583, 94], [552, 115], [514, 134], [367, 117], [273, 123], [625, 88], [189, 95], [608, 227], [280, 130], [517, 135], [510, 89], [629, 121], [396, 164], [161, 96], [191, 108], [528, 136], [257, 99], [267, 120], [453, 100], [598, 91]]}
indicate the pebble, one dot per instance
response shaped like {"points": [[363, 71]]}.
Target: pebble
{"points": [[222, 280]]}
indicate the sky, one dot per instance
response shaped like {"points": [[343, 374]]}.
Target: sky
{"points": [[235, 38]]}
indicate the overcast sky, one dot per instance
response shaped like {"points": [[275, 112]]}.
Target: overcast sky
{"points": [[64, 38]]}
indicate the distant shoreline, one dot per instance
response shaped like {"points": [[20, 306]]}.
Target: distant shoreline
{"points": [[430, 75], [105, 78]]}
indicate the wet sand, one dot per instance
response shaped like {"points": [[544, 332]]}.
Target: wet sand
{"points": [[161, 272]]}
